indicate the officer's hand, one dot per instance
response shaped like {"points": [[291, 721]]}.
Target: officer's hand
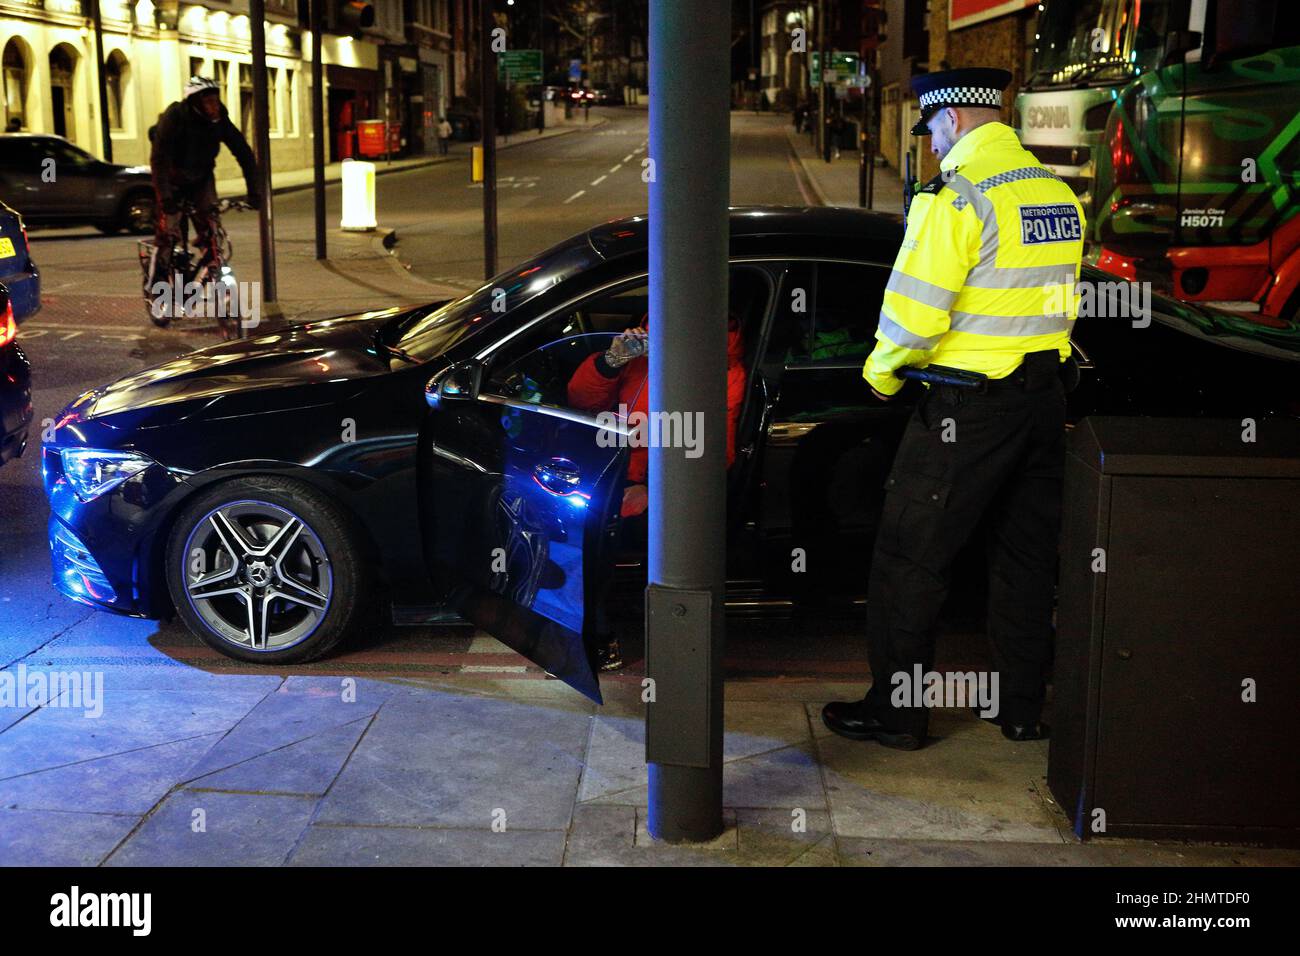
{"points": [[882, 396]]}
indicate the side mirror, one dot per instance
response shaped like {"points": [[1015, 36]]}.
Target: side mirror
{"points": [[456, 382]]}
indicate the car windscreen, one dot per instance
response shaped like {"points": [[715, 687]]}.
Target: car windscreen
{"points": [[425, 334]]}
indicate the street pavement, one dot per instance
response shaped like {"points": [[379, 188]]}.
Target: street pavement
{"points": [[439, 745]]}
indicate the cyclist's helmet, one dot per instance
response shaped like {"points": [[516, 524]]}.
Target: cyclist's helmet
{"points": [[199, 85]]}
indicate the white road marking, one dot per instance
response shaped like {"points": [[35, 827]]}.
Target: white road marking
{"points": [[617, 168], [628, 157], [574, 196], [597, 182], [489, 669]]}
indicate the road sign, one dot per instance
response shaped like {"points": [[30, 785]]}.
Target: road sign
{"points": [[575, 71], [520, 66], [843, 67]]}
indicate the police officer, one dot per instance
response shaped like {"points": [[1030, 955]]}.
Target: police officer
{"points": [[984, 282]]}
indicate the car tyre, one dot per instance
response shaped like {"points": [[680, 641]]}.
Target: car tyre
{"points": [[137, 215], [307, 595]]}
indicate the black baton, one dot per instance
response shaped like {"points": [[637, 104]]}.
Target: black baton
{"points": [[941, 375]]}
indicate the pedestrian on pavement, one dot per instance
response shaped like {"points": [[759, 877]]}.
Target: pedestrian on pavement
{"points": [[444, 135], [983, 283]]}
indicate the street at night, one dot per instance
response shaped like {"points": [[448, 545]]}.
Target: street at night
{"points": [[856, 458]]}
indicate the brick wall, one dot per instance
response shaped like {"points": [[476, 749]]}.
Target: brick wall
{"points": [[1000, 42]]}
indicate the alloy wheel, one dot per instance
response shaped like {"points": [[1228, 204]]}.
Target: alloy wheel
{"points": [[257, 575]]}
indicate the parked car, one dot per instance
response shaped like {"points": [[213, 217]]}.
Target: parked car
{"points": [[15, 385], [56, 183], [18, 272], [608, 95], [274, 491]]}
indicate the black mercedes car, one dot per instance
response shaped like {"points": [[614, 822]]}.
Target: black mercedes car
{"points": [[277, 492]]}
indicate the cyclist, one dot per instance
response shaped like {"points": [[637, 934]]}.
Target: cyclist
{"points": [[185, 144]]}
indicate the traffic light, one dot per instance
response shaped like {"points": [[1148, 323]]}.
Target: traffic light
{"points": [[349, 17]]}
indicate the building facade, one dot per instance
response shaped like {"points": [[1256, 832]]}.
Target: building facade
{"points": [[151, 47]]}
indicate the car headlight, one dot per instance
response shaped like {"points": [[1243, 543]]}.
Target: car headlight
{"points": [[93, 471]]}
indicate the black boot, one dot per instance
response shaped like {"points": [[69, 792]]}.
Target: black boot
{"points": [[853, 720]]}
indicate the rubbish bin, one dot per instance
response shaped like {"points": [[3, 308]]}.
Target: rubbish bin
{"points": [[1177, 660]]}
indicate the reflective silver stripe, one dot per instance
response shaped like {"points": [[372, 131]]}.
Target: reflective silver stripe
{"points": [[1009, 325], [1018, 277], [900, 336], [918, 290]]}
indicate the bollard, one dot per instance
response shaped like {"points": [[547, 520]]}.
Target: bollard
{"points": [[358, 196]]}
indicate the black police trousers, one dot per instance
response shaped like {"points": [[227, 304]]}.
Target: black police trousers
{"points": [[966, 457]]}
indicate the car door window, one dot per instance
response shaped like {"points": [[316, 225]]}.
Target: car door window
{"points": [[68, 158], [828, 313], [19, 155], [823, 331], [538, 365], [562, 375]]}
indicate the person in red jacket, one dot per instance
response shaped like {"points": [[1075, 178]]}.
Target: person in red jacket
{"points": [[617, 377]]}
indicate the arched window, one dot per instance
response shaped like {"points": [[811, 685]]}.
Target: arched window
{"points": [[116, 74], [15, 86]]}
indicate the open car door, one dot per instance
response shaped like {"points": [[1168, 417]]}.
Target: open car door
{"points": [[520, 499]]}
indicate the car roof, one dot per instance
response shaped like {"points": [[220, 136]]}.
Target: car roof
{"points": [[792, 231]]}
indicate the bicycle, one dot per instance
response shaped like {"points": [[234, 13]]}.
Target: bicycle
{"points": [[202, 283]]}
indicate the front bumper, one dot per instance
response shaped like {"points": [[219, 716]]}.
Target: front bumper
{"points": [[106, 552]]}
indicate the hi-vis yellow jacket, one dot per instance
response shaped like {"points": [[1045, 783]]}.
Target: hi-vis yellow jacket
{"points": [[988, 265]]}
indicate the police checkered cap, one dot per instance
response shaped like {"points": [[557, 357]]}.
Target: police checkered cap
{"points": [[963, 96], [977, 86]]}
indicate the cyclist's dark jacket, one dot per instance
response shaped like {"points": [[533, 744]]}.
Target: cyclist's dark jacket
{"points": [[185, 147]]}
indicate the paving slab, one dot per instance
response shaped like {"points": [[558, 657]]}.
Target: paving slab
{"points": [[457, 761], [304, 767], [217, 829], [57, 838], [132, 720], [125, 783], [953, 791], [427, 846], [298, 710], [856, 851]]}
